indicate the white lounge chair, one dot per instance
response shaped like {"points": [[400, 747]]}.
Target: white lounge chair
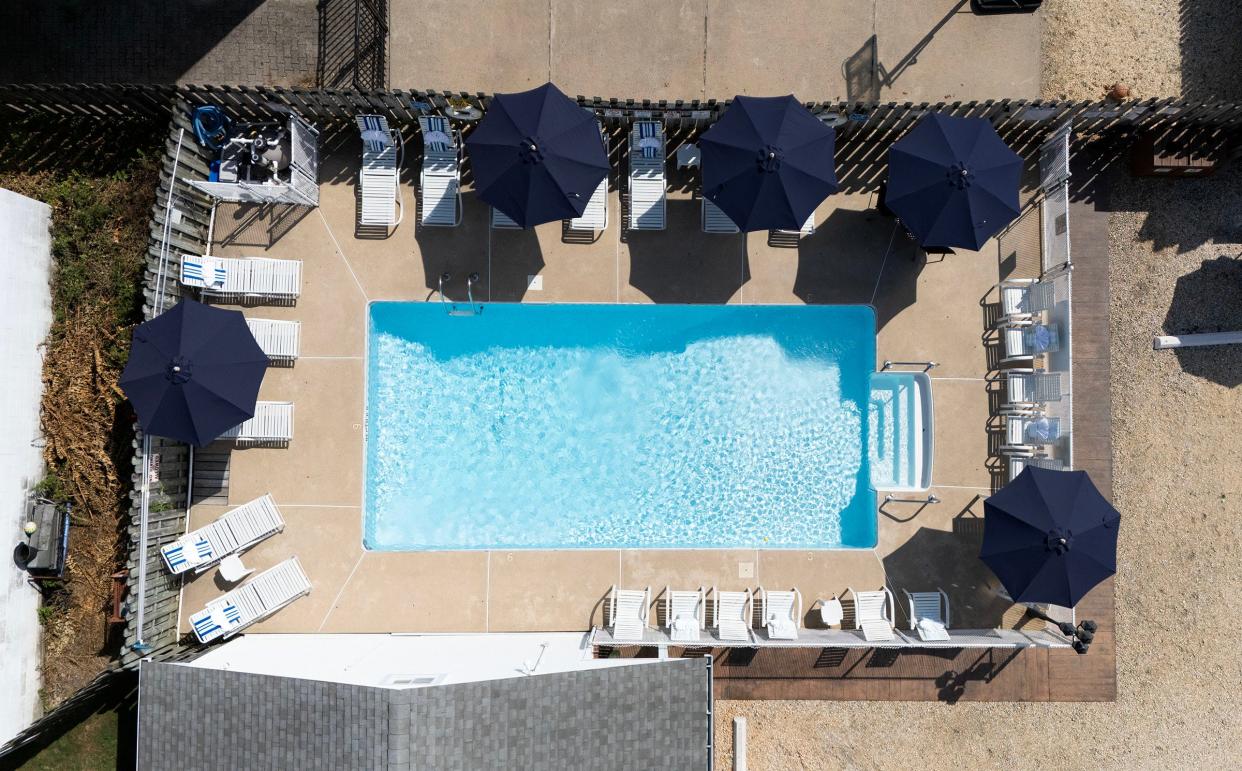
{"points": [[873, 614], [235, 531], [258, 277], [732, 614], [253, 601], [715, 220], [929, 615], [272, 424], [647, 184], [439, 181], [595, 215], [1019, 462], [1022, 299], [1025, 340], [379, 179], [1026, 389], [280, 340], [627, 613], [501, 221], [781, 612], [685, 614]]}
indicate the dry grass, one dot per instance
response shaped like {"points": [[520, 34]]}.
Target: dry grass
{"points": [[99, 232]]}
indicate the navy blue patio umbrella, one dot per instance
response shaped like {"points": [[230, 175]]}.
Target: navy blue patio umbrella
{"points": [[537, 156], [768, 162], [193, 372], [1050, 536], [952, 181]]}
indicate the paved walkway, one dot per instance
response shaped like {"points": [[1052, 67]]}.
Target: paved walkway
{"points": [[245, 42], [929, 50]]}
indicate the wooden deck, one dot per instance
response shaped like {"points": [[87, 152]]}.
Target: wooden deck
{"points": [[1032, 674]]}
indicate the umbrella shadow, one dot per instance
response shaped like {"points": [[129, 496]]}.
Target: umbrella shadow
{"points": [[682, 264], [458, 251], [1209, 299], [858, 257], [516, 259], [933, 559]]}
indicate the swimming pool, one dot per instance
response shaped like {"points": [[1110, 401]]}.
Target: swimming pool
{"points": [[618, 426]]}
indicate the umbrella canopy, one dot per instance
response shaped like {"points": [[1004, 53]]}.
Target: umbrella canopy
{"points": [[953, 182], [193, 372], [767, 163], [1049, 536], [537, 156]]}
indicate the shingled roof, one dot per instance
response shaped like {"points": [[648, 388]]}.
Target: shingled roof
{"points": [[651, 715]]}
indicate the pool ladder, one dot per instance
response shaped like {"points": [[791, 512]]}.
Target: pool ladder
{"points": [[452, 307]]}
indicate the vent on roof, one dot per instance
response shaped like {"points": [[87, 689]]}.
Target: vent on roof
{"points": [[412, 681]]}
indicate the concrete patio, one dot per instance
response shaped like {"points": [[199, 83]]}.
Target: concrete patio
{"points": [[877, 50], [925, 311]]}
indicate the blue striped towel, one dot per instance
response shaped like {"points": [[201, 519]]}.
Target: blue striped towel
{"points": [[434, 134], [193, 272], [205, 626], [649, 139], [203, 546], [175, 556], [232, 614]]}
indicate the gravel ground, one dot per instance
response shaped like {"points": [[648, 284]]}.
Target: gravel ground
{"points": [[1176, 266]]}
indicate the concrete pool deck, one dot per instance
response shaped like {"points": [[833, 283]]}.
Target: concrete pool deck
{"points": [[933, 311]]}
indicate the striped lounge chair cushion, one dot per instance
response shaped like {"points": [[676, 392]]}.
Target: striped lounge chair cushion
{"points": [[375, 136], [205, 626], [436, 137], [232, 614], [649, 139], [203, 547]]}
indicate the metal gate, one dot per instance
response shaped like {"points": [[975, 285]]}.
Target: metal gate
{"points": [[1054, 174]]}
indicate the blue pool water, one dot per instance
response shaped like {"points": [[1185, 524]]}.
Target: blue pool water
{"points": [[619, 426]]}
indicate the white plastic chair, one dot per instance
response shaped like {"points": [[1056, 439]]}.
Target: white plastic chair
{"points": [[731, 614], [1027, 389], [272, 424], [379, 177], [628, 612], [279, 339], [253, 601], [235, 531], [685, 614], [929, 615], [439, 181], [647, 182], [1019, 462], [1024, 340], [781, 612], [1025, 433], [873, 614]]}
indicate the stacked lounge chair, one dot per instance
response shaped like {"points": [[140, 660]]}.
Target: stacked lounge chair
{"points": [[1026, 389], [234, 532], [279, 339], [1022, 299], [439, 181], [1019, 462], [272, 424], [647, 183], [253, 601]]}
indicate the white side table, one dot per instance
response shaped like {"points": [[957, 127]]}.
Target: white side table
{"points": [[831, 612], [232, 569]]}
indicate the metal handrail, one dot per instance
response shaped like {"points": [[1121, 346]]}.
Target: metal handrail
{"points": [[926, 365]]}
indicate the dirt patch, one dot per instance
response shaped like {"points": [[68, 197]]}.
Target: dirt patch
{"points": [[99, 240]]}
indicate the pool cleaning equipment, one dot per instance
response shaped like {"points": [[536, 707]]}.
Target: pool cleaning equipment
{"points": [[211, 126]]}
